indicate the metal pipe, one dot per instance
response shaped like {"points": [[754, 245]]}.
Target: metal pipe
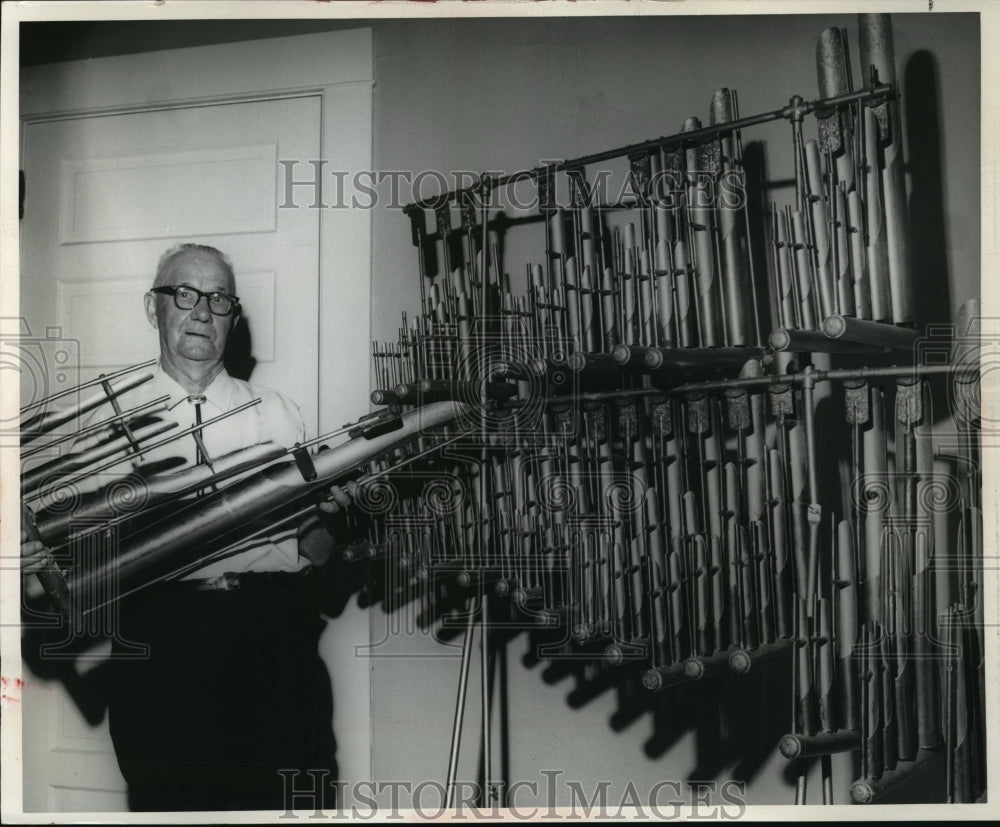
{"points": [[823, 244], [95, 427], [111, 506], [98, 381], [177, 539], [456, 726], [484, 666], [856, 232], [744, 661], [736, 279], [153, 430], [875, 35], [50, 474], [813, 341], [878, 334], [815, 376], [795, 379], [875, 233], [869, 790], [659, 678], [700, 227], [794, 746], [847, 627]]}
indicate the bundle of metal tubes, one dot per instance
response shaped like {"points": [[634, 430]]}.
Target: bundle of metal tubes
{"points": [[648, 475], [114, 532], [838, 257], [685, 529]]}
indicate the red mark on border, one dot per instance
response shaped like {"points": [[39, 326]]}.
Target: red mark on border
{"points": [[12, 688]]}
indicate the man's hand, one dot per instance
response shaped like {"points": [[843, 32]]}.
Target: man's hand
{"points": [[316, 536], [339, 498], [35, 555]]}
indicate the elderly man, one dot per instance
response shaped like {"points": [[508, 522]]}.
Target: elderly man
{"points": [[233, 690]]}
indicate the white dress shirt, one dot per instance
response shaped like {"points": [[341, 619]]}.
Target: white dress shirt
{"points": [[275, 420]]}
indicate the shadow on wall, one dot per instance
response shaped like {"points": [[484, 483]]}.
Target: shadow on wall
{"points": [[928, 252], [238, 358], [53, 656], [737, 720], [928, 242]]}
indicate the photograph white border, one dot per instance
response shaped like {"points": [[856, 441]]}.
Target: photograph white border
{"points": [[14, 13]]}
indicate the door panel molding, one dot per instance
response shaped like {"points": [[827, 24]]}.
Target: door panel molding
{"points": [[94, 203], [113, 302]]}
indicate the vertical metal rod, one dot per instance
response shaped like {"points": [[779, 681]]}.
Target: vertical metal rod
{"points": [[877, 52], [797, 723], [814, 513], [814, 519], [484, 660], [738, 158], [483, 596], [456, 727]]}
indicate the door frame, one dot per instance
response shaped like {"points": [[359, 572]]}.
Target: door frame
{"points": [[335, 66]]}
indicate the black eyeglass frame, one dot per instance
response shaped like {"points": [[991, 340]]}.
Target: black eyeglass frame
{"points": [[172, 290]]}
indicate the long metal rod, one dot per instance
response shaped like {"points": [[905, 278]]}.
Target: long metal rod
{"points": [[797, 108], [361, 423], [800, 378], [750, 382], [484, 459], [814, 520], [89, 384], [165, 546], [39, 424], [96, 426], [52, 473], [143, 449], [456, 727], [484, 666]]}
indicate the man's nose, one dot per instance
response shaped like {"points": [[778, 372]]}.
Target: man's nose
{"points": [[201, 309]]}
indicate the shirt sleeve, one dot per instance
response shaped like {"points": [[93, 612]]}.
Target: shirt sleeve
{"points": [[281, 419]]}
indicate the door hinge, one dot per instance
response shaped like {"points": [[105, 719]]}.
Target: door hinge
{"points": [[20, 202]]}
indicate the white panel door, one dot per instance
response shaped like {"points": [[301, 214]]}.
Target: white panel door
{"points": [[106, 195]]}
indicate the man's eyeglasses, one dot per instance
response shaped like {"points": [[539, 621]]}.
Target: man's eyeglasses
{"points": [[187, 298]]}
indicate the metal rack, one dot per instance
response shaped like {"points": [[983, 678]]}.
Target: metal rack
{"points": [[645, 470]]}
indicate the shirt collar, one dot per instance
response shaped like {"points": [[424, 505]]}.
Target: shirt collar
{"points": [[219, 393]]}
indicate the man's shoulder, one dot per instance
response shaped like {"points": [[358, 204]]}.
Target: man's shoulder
{"points": [[272, 402], [254, 390]]}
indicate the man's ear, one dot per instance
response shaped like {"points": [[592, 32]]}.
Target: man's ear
{"points": [[149, 300], [237, 315]]}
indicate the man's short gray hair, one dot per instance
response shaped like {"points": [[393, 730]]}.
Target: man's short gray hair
{"points": [[163, 267]]}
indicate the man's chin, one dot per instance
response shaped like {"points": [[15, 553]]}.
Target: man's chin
{"points": [[199, 353]]}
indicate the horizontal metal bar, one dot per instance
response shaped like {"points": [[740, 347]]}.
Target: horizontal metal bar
{"points": [[795, 109], [796, 745], [845, 374], [144, 448], [97, 381], [96, 426], [750, 382]]}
